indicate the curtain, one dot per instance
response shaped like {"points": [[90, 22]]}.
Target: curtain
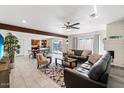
{"points": [[86, 44]]}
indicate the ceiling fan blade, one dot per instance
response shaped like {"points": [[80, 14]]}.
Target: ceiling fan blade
{"points": [[65, 25], [75, 27], [75, 24]]}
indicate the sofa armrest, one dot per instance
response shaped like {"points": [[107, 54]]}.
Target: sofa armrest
{"points": [[74, 79]]}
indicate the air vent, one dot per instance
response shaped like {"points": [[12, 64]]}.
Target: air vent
{"points": [[93, 15]]}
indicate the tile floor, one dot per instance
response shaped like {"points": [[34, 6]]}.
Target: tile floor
{"points": [[26, 75]]}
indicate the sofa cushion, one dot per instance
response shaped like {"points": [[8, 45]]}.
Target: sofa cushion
{"points": [[100, 67], [94, 58], [70, 52], [85, 53], [86, 65], [78, 52], [40, 57]]}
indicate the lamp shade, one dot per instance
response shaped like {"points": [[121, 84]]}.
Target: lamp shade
{"points": [[67, 42]]}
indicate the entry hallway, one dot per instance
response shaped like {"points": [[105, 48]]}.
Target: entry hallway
{"points": [[26, 75]]}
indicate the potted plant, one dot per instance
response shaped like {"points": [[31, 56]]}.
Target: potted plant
{"points": [[11, 46]]}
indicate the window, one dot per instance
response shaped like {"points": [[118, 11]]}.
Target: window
{"points": [[86, 44], [57, 45]]}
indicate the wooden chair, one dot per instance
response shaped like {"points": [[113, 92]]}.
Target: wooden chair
{"points": [[41, 60]]}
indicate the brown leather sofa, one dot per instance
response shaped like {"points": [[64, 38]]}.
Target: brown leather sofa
{"points": [[90, 76]]}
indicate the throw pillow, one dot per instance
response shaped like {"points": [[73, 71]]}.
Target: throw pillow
{"points": [[94, 58], [78, 52], [70, 52], [85, 53]]}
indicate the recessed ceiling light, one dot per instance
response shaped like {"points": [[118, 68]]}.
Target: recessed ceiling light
{"points": [[24, 21]]}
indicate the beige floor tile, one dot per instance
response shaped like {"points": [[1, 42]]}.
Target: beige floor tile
{"points": [[26, 75]]}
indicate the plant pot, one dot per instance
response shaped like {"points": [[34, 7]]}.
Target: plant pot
{"points": [[11, 66]]}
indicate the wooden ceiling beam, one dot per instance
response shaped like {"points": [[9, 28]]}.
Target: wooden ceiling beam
{"points": [[28, 30]]}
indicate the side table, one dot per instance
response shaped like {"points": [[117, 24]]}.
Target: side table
{"points": [[70, 62]]}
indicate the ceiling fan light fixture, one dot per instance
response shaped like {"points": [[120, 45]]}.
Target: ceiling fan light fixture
{"points": [[67, 42], [68, 29]]}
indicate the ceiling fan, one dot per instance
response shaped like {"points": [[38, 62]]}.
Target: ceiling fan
{"points": [[69, 26]]}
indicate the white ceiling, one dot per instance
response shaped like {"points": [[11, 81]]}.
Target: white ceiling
{"points": [[51, 18]]}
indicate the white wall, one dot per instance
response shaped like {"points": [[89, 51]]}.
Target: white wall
{"points": [[101, 43], [116, 77], [115, 28], [24, 39], [70, 39]]}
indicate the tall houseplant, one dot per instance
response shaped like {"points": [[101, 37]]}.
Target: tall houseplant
{"points": [[11, 46]]}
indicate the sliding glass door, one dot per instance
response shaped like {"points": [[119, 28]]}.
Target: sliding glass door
{"points": [[56, 45]]}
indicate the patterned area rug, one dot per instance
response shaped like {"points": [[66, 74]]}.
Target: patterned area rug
{"points": [[56, 73]]}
